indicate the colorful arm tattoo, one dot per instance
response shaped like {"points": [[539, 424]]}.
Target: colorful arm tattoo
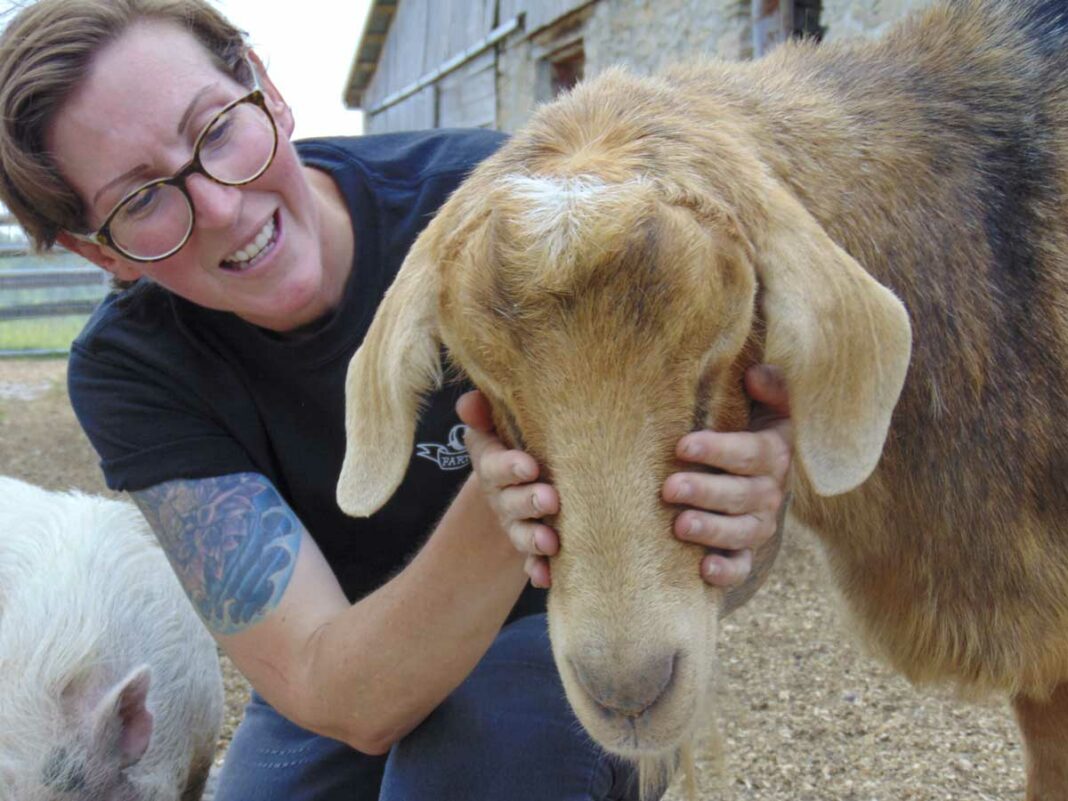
{"points": [[232, 540]]}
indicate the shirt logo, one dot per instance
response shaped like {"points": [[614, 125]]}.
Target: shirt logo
{"points": [[448, 457]]}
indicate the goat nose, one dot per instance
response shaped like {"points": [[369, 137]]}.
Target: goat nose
{"points": [[627, 691]]}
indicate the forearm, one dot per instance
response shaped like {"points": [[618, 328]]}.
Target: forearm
{"points": [[381, 666], [364, 673]]}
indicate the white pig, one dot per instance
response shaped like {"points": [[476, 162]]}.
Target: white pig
{"points": [[110, 687]]}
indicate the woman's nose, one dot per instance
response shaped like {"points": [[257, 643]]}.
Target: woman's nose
{"points": [[216, 205]]}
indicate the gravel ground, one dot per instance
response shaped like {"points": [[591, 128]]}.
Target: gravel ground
{"points": [[806, 715]]}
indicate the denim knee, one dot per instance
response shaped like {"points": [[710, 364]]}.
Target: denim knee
{"points": [[272, 759], [506, 734]]}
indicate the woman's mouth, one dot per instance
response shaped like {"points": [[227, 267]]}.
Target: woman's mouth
{"points": [[255, 250]]}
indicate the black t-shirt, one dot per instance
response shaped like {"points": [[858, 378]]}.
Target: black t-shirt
{"points": [[166, 389]]}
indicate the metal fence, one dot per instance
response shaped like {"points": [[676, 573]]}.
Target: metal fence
{"points": [[44, 300]]}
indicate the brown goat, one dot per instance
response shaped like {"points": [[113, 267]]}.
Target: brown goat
{"points": [[607, 276]]}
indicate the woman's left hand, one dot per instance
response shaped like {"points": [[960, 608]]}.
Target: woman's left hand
{"points": [[738, 510]]}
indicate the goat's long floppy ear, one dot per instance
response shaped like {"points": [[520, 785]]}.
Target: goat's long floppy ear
{"points": [[397, 364], [842, 339]]}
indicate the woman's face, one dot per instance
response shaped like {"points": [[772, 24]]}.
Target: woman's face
{"points": [[136, 117]]}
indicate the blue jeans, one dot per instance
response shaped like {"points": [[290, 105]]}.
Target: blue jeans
{"points": [[505, 734]]}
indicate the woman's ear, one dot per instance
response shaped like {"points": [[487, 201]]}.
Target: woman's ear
{"points": [[280, 110], [100, 256]]}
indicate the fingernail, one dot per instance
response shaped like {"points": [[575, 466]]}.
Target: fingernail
{"points": [[683, 490], [713, 570], [694, 527], [522, 473], [535, 503], [691, 449]]}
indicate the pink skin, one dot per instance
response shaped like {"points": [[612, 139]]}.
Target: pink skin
{"points": [[735, 511], [126, 115]]}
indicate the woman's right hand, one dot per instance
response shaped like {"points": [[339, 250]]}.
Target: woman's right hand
{"points": [[509, 482]]}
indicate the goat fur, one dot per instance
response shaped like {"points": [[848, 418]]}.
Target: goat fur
{"points": [[644, 233]]}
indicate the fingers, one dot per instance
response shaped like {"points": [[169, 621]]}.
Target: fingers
{"points": [[727, 570], [496, 465], [507, 477], [766, 384], [537, 568], [727, 532], [735, 515], [743, 453], [474, 411], [533, 538], [737, 510], [725, 493]]}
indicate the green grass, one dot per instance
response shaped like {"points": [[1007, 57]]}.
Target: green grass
{"points": [[45, 333]]}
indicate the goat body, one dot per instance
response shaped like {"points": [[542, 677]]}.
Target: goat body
{"points": [[887, 221]]}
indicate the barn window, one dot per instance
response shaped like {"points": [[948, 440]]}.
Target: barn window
{"points": [[560, 70], [567, 68], [775, 21]]}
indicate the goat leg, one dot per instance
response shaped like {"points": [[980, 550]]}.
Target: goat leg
{"points": [[1044, 724]]}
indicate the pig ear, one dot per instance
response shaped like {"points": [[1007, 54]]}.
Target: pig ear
{"points": [[397, 364], [842, 339], [121, 722]]}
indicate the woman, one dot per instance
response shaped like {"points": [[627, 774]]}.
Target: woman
{"points": [[144, 135]]}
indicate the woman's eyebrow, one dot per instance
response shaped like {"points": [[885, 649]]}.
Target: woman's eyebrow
{"points": [[192, 107], [139, 169]]}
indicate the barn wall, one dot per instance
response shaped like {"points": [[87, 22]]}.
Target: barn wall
{"points": [[501, 87], [846, 18], [425, 34]]}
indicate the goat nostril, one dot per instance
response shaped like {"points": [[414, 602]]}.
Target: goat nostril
{"points": [[627, 691]]}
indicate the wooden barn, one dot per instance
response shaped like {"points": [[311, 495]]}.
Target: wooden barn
{"points": [[488, 63]]}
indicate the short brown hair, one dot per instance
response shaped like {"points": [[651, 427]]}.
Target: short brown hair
{"points": [[45, 52]]}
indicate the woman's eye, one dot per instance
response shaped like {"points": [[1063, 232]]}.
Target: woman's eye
{"points": [[142, 204], [217, 134]]}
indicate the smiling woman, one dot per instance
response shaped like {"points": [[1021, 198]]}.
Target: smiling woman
{"points": [[161, 139], [147, 136]]}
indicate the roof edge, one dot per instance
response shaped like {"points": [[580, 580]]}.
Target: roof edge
{"points": [[376, 26]]}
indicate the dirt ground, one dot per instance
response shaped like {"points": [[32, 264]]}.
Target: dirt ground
{"points": [[806, 715]]}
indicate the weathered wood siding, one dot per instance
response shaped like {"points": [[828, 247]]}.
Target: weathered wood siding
{"points": [[541, 13], [468, 97], [500, 86], [424, 35]]}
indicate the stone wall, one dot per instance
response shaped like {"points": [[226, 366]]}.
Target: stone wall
{"points": [[647, 34]]}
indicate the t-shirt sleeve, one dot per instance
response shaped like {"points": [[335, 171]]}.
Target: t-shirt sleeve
{"points": [[144, 429]]}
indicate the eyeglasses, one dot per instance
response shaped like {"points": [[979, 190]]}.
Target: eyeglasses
{"points": [[155, 220]]}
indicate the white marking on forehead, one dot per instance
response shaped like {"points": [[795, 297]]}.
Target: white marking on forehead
{"points": [[555, 208], [549, 200]]}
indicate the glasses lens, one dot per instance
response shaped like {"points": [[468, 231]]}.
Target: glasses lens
{"points": [[238, 145], [152, 222]]}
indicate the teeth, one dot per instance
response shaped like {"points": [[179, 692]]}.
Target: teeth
{"points": [[252, 249]]}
